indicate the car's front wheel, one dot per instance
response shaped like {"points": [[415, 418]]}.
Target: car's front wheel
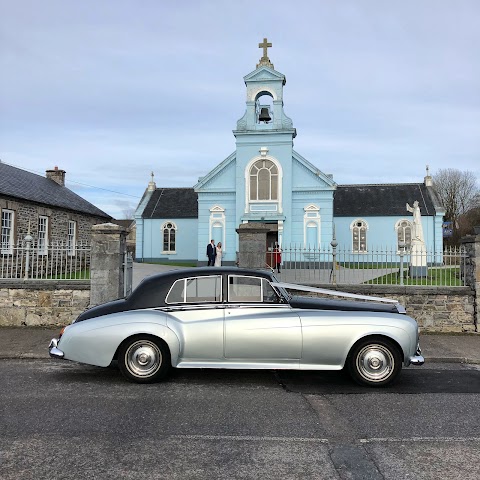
{"points": [[143, 359], [374, 362]]}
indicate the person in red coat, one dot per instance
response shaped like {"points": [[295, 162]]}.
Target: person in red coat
{"points": [[277, 257]]}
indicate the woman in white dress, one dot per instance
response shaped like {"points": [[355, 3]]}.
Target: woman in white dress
{"points": [[218, 258]]}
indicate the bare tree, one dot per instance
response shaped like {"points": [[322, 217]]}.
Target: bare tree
{"points": [[128, 213], [457, 190]]}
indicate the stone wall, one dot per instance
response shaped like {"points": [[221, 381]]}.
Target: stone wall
{"points": [[34, 303], [436, 309]]}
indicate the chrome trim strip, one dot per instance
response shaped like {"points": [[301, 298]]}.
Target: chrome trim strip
{"points": [[336, 293], [190, 307]]}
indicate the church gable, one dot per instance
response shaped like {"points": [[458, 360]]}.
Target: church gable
{"points": [[222, 177], [264, 74], [306, 176]]}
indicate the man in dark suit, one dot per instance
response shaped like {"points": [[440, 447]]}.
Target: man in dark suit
{"points": [[211, 253]]}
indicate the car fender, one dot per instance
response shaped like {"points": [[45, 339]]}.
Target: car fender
{"points": [[95, 341], [329, 337]]}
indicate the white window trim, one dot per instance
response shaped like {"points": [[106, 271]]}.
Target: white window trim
{"points": [[279, 186], [174, 227], [9, 250], [397, 226], [44, 249], [311, 220], [72, 247], [352, 226], [217, 217]]}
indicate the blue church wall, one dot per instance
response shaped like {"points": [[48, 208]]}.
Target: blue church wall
{"points": [[324, 201], [152, 235], [280, 150], [213, 223], [382, 236]]}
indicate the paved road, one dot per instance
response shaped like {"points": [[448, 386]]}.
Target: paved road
{"points": [[67, 421]]}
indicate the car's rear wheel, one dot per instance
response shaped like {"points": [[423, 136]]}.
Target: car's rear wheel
{"points": [[375, 362], [144, 359]]}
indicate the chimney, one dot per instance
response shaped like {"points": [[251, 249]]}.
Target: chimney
{"points": [[58, 176], [428, 179]]}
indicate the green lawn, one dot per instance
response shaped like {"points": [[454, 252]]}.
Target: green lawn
{"points": [[437, 276], [79, 275], [173, 264], [369, 265]]}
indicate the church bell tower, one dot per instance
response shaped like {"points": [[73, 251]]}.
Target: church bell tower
{"points": [[264, 112]]}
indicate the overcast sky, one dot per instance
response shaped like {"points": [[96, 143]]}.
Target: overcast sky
{"points": [[110, 90]]}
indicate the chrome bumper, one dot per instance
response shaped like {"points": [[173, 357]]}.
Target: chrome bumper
{"points": [[417, 359], [53, 350]]}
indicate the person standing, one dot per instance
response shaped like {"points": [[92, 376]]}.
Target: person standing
{"points": [[218, 257], [211, 253], [277, 256]]}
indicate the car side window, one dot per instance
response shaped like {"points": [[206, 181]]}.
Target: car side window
{"points": [[196, 290], [250, 289]]}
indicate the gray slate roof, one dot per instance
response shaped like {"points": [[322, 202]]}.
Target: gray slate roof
{"points": [[381, 200], [23, 185], [349, 200], [172, 203]]}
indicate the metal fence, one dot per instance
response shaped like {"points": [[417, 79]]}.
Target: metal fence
{"points": [[54, 261], [379, 266]]}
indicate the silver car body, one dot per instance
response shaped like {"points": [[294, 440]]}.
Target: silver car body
{"points": [[244, 336]]}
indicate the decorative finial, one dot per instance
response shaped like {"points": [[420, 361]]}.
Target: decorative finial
{"points": [[428, 171], [265, 61], [151, 185]]}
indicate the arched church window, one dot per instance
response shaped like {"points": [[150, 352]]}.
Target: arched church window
{"points": [[169, 233], [404, 234], [264, 181], [359, 235]]}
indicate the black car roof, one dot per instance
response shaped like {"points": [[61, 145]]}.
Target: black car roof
{"points": [[151, 292]]}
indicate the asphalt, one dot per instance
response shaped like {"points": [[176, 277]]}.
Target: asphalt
{"points": [[32, 342]]}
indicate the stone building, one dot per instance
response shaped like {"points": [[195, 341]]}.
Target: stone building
{"points": [[45, 207]]}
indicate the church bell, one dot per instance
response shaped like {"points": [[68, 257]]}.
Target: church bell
{"points": [[264, 115]]}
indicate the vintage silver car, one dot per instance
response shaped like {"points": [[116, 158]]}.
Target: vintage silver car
{"points": [[241, 319]]}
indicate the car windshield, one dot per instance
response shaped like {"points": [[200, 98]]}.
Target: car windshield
{"points": [[282, 293]]}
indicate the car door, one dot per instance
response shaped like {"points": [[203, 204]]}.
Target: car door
{"points": [[258, 328], [196, 314]]}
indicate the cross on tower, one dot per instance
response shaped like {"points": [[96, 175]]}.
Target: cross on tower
{"points": [[264, 45], [265, 61]]}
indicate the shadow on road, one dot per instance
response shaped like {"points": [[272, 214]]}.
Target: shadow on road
{"points": [[411, 381]]}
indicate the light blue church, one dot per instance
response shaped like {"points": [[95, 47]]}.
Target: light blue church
{"points": [[265, 180]]}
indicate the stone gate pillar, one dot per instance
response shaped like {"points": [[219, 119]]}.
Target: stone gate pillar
{"points": [[472, 270], [252, 247], [106, 262]]}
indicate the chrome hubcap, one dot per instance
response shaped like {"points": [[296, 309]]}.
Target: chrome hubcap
{"points": [[375, 363], [143, 358]]}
